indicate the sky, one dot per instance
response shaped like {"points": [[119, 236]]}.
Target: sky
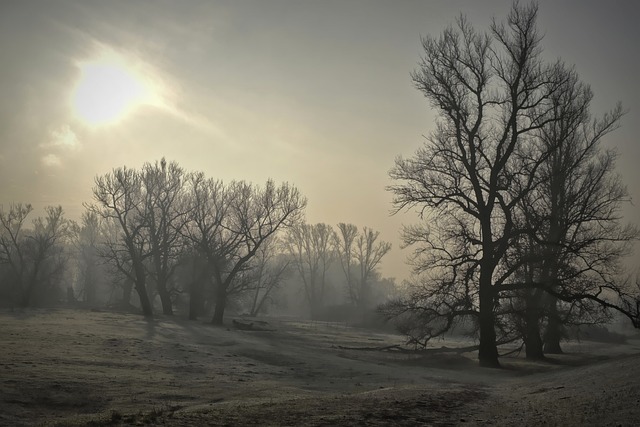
{"points": [[315, 93]]}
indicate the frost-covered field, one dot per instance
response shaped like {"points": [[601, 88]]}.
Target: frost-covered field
{"points": [[77, 367]]}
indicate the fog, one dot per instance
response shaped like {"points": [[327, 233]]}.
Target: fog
{"points": [[336, 213]]}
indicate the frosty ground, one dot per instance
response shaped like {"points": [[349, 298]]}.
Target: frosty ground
{"points": [[83, 367]]}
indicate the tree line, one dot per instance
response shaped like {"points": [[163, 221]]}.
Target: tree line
{"points": [[521, 231], [162, 231]]}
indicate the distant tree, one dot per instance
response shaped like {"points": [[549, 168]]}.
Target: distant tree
{"points": [[268, 270], [491, 92], [229, 224], [88, 235], [345, 252], [35, 257], [359, 251], [120, 198], [369, 253], [310, 247], [13, 248]]}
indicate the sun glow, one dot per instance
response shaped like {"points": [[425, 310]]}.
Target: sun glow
{"points": [[109, 89]]}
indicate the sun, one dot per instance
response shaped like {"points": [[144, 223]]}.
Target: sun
{"points": [[108, 91]]}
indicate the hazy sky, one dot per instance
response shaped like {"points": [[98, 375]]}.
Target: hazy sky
{"points": [[316, 93]]}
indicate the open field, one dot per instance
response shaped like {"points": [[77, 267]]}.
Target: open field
{"points": [[77, 367]]}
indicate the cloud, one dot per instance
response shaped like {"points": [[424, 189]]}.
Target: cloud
{"points": [[51, 160], [63, 137]]}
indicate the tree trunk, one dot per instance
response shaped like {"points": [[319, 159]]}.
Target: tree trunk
{"points": [[165, 298], [126, 292], [365, 295], [532, 339], [25, 301], [487, 350], [195, 300], [90, 278], [533, 344], [221, 303], [147, 310], [532, 315], [317, 310], [141, 289], [194, 305], [26, 296], [254, 305], [553, 334]]}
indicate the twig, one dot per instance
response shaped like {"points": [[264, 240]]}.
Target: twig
{"points": [[401, 349]]}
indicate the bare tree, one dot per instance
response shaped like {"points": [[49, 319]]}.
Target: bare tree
{"points": [[35, 257], [230, 223], [359, 251], [209, 239], [310, 246], [269, 269], [89, 234], [167, 214], [345, 251], [522, 205], [120, 198], [13, 251], [491, 92], [369, 253], [577, 240]]}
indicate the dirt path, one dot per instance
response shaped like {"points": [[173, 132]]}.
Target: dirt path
{"points": [[72, 367]]}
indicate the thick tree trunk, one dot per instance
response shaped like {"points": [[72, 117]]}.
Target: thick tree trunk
{"points": [[532, 337], [533, 344], [553, 334], [488, 350], [141, 289], [147, 310], [165, 298]]}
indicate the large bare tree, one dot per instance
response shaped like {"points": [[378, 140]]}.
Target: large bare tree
{"points": [[574, 253], [491, 93]]}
